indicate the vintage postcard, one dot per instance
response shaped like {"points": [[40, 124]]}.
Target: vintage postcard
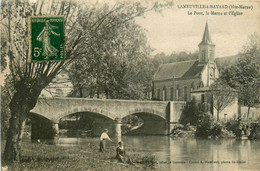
{"points": [[130, 85]]}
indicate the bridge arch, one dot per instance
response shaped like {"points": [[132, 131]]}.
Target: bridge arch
{"points": [[41, 126], [154, 122], [34, 115], [147, 111], [94, 110]]}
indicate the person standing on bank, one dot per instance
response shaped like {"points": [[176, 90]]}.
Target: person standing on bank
{"points": [[103, 138]]}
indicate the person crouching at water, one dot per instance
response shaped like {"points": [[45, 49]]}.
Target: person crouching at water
{"points": [[103, 139]]}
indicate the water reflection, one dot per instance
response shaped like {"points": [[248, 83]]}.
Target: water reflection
{"points": [[190, 154]]}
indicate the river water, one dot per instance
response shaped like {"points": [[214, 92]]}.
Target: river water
{"points": [[190, 154]]}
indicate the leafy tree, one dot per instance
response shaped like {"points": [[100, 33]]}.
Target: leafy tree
{"points": [[191, 113], [117, 63], [28, 79], [5, 112], [222, 95], [245, 75]]}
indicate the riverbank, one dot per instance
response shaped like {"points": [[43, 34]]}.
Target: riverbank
{"points": [[40, 156]]}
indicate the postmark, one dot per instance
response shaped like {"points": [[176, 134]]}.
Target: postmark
{"points": [[46, 38]]}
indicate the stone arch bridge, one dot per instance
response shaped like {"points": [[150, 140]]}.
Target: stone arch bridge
{"points": [[158, 116]]}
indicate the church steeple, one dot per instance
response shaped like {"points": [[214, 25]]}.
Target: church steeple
{"points": [[206, 47], [206, 37]]}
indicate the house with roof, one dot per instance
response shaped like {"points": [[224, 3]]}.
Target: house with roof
{"points": [[187, 80]]}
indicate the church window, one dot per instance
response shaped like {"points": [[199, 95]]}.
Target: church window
{"points": [[211, 52], [202, 98], [164, 94], [158, 94], [172, 94], [203, 55], [177, 93], [192, 86], [201, 85], [185, 93]]}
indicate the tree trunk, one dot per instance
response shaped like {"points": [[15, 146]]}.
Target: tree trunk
{"points": [[21, 104], [248, 111], [10, 152], [20, 136], [15, 131]]}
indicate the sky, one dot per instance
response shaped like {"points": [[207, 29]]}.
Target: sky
{"points": [[173, 30]]}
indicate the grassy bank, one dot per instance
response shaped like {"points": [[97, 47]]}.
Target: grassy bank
{"points": [[38, 156]]}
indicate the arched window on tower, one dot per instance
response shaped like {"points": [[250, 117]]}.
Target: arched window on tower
{"points": [[201, 85], [203, 55], [211, 53]]}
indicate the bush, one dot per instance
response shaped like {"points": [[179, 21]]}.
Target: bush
{"points": [[235, 126], [216, 130], [146, 160], [204, 126], [208, 127], [190, 113], [255, 131]]}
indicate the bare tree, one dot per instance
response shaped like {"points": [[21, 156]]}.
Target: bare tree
{"points": [[221, 96]]}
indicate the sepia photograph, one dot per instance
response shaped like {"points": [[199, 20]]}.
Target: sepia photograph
{"points": [[118, 85]]}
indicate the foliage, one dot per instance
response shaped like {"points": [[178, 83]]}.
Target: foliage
{"points": [[208, 127], [117, 66], [245, 75], [186, 131], [130, 122], [190, 113], [255, 131], [175, 57], [204, 126], [148, 160], [5, 112], [222, 95], [216, 130], [235, 126]]}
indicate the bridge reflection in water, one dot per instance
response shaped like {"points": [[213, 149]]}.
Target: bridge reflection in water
{"points": [[189, 154]]}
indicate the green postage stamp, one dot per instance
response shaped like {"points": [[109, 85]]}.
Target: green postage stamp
{"points": [[46, 38]]}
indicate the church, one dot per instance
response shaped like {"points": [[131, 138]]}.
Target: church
{"points": [[190, 80], [177, 81]]}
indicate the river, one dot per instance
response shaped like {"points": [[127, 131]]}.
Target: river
{"points": [[189, 154]]}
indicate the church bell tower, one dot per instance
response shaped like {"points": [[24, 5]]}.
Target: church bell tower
{"points": [[206, 48]]}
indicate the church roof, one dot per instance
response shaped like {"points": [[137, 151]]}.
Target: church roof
{"points": [[182, 69], [206, 40], [194, 70]]}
